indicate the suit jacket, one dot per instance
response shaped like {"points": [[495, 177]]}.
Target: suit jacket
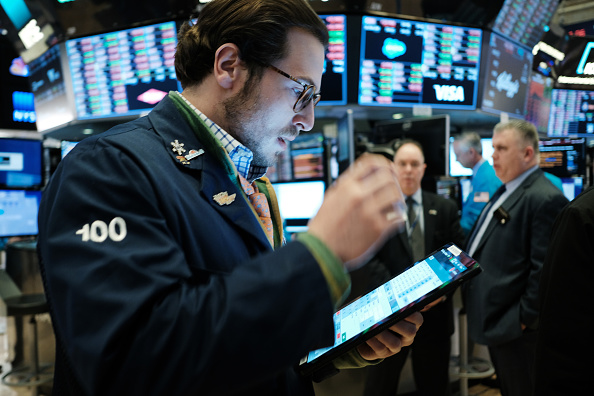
{"points": [[442, 225], [564, 346], [511, 253], [484, 181], [151, 282]]}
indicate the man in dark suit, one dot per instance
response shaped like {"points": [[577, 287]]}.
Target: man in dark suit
{"points": [[510, 240], [563, 364], [438, 222]]}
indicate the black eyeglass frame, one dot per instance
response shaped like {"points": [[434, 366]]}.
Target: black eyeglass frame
{"points": [[307, 95]]}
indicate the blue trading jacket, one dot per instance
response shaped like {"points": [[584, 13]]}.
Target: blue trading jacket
{"points": [[157, 289]]}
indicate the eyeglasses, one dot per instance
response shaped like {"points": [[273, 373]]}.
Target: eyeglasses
{"points": [[307, 95]]}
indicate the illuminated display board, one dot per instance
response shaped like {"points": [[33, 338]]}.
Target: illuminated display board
{"points": [[48, 84], [334, 79], [524, 21], [507, 75], [407, 63], [563, 157], [572, 113], [122, 73], [538, 105]]}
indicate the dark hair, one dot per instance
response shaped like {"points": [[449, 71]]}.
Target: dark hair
{"points": [[258, 27]]}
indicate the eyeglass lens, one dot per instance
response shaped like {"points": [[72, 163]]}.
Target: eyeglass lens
{"points": [[305, 97]]}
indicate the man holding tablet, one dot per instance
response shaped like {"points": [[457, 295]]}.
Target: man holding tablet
{"points": [[160, 241]]}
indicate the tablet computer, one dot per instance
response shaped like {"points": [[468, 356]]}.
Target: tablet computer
{"points": [[422, 283]]}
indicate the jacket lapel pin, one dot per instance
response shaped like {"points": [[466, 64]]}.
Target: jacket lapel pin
{"points": [[433, 212], [501, 215], [178, 147], [223, 198], [183, 160], [194, 153]]}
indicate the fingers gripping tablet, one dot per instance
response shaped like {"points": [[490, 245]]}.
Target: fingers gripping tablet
{"points": [[422, 283]]}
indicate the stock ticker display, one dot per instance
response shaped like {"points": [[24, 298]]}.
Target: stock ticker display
{"points": [[124, 72], [334, 79], [572, 113], [408, 63]]}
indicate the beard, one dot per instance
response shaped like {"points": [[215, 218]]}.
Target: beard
{"points": [[247, 122]]}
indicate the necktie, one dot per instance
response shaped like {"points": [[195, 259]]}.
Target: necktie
{"points": [[415, 236], [484, 213], [260, 205]]}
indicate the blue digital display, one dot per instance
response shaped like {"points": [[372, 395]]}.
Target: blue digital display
{"points": [[20, 163], [24, 109], [17, 12], [408, 63], [18, 212]]}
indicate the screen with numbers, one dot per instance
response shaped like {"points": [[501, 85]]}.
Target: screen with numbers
{"points": [[334, 79], [410, 291], [571, 113], [122, 73], [525, 21], [408, 63]]}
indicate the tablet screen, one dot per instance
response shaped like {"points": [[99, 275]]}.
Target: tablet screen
{"points": [[402, 292]]}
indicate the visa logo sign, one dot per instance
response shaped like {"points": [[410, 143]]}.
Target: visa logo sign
{"points": [[449, 93]]}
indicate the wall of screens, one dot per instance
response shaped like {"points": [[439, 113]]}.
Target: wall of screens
{"points": [[122, 73], [572, 113], [408, 63], [506, 76]]}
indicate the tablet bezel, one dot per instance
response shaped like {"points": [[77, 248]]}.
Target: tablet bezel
{"points": [[473, 269]]}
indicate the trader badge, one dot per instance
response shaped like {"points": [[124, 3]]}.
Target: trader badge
{"points": [[223, 198]]}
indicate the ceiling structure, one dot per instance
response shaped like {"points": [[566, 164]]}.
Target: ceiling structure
{"points": [[569, 12], [476, 12]]}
